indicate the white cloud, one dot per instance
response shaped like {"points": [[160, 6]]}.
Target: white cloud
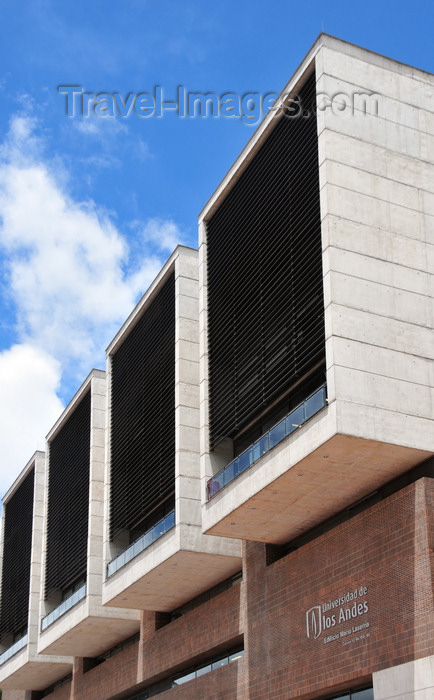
{"points": [[163, 232], [29, 379], [100, 127], [71, 279], [66, 263], [20, 145]]}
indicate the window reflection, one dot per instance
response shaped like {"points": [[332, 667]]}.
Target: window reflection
{"points": [[218, 663]]}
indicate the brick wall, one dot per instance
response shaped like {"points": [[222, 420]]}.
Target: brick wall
{"points": [[117, 674], [61, 693], [222, 684], [384, 553], [165, 651], [212, 626]]}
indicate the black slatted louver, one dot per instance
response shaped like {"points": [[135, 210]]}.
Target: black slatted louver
{"points": [[265, 293], [143, 415], [68, 500], [18, 525]]}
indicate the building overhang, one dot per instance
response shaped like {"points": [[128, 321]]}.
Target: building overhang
{"points": [[175, 569], [87, 631], [30, 670], [309, 477]]}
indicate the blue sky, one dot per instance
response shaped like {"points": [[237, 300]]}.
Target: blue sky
{"points": [[90, 207]]}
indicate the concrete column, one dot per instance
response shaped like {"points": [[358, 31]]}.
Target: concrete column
{"points": [[411, 681]]}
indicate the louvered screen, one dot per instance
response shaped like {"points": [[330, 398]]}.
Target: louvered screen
{"points": [[18, 525], [143, 415], [265, 294], [68, 500]]}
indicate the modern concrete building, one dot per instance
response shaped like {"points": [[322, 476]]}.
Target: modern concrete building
{"points": [[73, 619], [156, 556], [261, 524], [23, 517]]}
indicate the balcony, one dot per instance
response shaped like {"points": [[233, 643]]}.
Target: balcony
{"points": [[142, 543], [170, 564], [80, 626], [14, 649], [294, 420], [22, 667], [63, 607], [301, 473]]}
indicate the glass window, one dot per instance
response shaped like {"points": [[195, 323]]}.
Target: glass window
{"points": [[160, 687], [367, 694], [184, 679], [203, 670]]}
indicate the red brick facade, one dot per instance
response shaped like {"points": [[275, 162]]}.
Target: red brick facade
{"points": [[385, 554]]}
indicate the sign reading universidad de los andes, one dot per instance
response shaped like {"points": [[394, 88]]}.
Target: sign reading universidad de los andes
{"points": [[343, 618]]}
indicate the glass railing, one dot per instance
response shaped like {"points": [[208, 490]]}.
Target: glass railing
{"points": [[288, 425], [20, 644], [142, 543], [61, 609]]}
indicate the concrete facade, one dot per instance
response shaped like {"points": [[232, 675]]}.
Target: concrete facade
{"points": [[411, 681], [377, 227], [332, 527]]}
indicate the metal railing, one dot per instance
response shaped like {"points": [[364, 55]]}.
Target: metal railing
{"points": [[288, 425], [66, 605], [142, 543], [20, 644]]}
